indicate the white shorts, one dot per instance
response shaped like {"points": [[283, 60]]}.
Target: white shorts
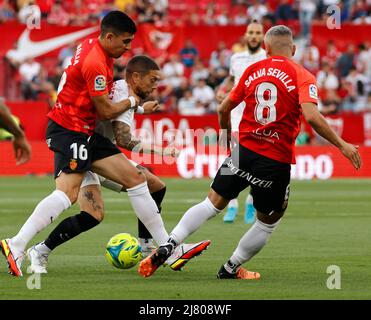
{"points": [[92, 178]]}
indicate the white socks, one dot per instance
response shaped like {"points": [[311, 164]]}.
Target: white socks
{"points": [[42, 248], [233, 204], [249, 199], [146, 210], [44, 214], [193, 219], [252, 242]]}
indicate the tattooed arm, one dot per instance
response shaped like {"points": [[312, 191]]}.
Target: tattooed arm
{"points": [[126, 140]]}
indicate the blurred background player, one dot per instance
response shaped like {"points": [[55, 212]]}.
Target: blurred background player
{"points": [[22, 149], [239, 62], [288, 91], [142, 75]]}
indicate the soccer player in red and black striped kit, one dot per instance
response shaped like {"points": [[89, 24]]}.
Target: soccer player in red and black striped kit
{"points": [[276, 91]]}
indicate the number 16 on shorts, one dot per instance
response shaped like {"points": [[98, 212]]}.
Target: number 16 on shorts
{"points": [[79, 152]]}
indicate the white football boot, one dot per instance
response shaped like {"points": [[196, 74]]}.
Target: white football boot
{"points": [[148, 246], [39, 261]]}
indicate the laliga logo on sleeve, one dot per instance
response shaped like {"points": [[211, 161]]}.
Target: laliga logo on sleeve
{"points": [[100, 83], [313, 91]]}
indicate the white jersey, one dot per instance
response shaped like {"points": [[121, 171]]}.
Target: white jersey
{"points": [[119, 92], [239, 62]]}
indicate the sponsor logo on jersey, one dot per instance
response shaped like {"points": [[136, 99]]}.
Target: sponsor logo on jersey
{"points": [[100, 83], [313, 91], [73, 164]]}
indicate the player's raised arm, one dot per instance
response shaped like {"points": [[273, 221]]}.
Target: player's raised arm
{"points": [[320, 125], [22, 149], [107, 110], [224, 88]]}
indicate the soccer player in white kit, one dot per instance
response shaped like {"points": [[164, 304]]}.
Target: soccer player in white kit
{"points": [[239, 62]]}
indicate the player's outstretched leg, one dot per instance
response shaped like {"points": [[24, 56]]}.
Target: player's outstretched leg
{"points": [[145, 239], [190, 222], [45, 212], [66, 230], [232, 211], [182, 254], [249, 210], [185, 252], [250, 244], [238, 273]]}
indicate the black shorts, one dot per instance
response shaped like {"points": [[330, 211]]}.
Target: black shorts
{"points": [[76, 151], [269, 179]]}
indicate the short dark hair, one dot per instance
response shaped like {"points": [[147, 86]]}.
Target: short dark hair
{"points": [[141, 64], [117, 22], [279, 30]]}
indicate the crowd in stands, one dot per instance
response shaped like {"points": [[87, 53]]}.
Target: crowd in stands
{"points": [[210, 12], [190, 82]]}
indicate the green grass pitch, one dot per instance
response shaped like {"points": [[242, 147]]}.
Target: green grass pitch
{"points": [[327, 223]]}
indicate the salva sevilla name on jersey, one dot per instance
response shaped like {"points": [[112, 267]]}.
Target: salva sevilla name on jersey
{"points": [[273, 72]]}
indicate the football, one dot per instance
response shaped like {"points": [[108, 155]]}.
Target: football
{"points": [[123, 251]]}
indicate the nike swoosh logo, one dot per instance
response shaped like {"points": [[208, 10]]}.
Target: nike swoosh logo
{"points": [[30, 49]]}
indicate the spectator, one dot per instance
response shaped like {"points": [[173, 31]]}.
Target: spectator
{"points": [[310, 58], [79, 15], [173, 72], [58, 15], [364, 60], [209, 16], [221, 57], [326, 78], [198, 72], [28, 70], [65, 55], [257, 11], [358, 82], [204, 95], [363, 19], [283, 11], [303, 137], [368, 105], [332, 53], [345, 61], [123, 5], [239, 46], [188, 54], [188, 106], [222, 19], [6, 11], [240, 19], [307, 9], [160, 6], [359, 10]]}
